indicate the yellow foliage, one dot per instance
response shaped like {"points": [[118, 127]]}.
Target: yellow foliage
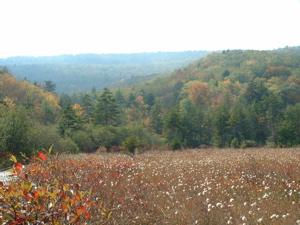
{"points": [[78, 109], [9, 102], [13, 88], [250, 62]]}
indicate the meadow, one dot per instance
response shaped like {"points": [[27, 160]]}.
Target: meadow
{"points": [[202, 186]]}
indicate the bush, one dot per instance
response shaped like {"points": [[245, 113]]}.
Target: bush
{"points": [[234, 143], [83, 141], [15, 131], [69, 146], [131, 143], [175, 145], [42, 196]]}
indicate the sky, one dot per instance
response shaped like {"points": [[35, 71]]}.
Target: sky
{"points": [[54, 27]]}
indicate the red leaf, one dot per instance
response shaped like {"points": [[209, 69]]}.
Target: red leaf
{"points": [[18, 165], [42, 156], [88, 215], [82, 208]]}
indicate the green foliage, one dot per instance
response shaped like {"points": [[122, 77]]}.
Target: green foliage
{"points": [[238, 98], [87, 105], [156, 120], [287, 134], [15, 131], [173, 126], [69, 146], [83, 141], [132, 143], [49, 86], [234, 143], [106, 111], [68, 121]]}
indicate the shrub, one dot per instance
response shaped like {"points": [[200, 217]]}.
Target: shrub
{"points": [[39, 195], [175, 145], [83, 141], [69, 146], [131, 143], [234, 143]]}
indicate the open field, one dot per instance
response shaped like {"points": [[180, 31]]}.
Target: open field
{"points": [[207, 186]]}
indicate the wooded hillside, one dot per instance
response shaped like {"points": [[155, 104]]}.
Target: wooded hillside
{"points": [[82, 72], [229, 99]]}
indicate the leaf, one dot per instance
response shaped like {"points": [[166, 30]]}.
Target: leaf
{"points": [[109, 215], [42, 156], [82, 208], [13, 158], [18, 165], [50, 149]]}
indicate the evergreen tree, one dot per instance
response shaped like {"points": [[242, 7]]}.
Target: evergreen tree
{"points": [[149, 99], [193, 123], [49, 86], [156, 120], [106, 111], [174, 128], [273, 107], [88, 107], [131, 100], [120, 100], [68, 121], [221, 126]]}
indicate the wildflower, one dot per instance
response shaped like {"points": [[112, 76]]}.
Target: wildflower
{"points": [[265, 195], [274, 216]]}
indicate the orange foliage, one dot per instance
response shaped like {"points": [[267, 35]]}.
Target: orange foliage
{"points": [[140, 100], [198, 93], [273, 71]]}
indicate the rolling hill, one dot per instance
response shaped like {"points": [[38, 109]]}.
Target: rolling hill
{"points": [[72, 73]]}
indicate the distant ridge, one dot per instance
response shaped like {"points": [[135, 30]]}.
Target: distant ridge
{"points": [[73, 73]]}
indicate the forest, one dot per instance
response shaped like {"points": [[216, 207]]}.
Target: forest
{"points": [[72, 73], [233, 98]]}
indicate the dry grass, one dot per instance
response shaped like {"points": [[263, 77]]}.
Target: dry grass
{"points": [[208, 186]]}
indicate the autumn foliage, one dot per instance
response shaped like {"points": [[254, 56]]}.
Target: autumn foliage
{"points": [[198, 93], [203, 186]]}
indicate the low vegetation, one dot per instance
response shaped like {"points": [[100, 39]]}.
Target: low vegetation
{"points": [[202, 186]]}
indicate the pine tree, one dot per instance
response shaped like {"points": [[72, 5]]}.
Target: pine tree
{"points": [[174, 128], [156, 121], [68, 121], [221, 125], [120, 100], [106, 111], [88, 107], [49, 86]]}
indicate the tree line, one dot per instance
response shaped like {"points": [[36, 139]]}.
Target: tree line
{"points": [[229, 99]]}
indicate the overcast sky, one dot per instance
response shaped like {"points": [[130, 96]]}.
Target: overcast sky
{"points": [[52, 27]]}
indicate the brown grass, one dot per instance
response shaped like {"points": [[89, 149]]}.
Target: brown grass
{"points": [[207, 186]]}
